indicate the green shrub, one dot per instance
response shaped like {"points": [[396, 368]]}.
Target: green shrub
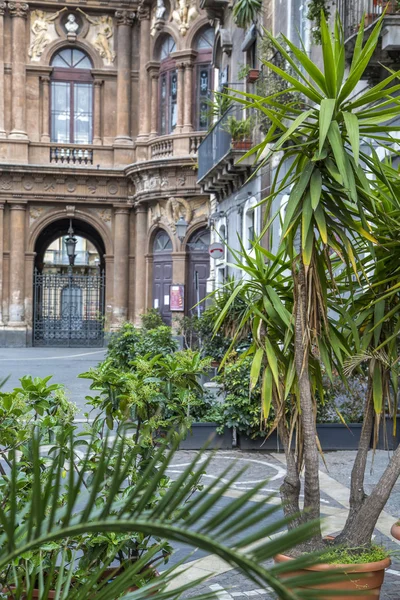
{"points": [[241, 409], [130, 342], [151, 319]]}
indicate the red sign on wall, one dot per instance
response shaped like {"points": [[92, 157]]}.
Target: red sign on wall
{"points": [[177, 298]]}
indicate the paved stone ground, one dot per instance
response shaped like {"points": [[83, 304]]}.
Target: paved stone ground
{"points": [[66, 363]]}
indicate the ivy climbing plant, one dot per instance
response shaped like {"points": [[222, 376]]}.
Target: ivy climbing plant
{"points": [[315, 9]]}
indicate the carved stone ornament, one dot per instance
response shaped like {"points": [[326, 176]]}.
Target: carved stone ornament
{"points": [[185, 12], [124, 17], [103, 35], [105, 215], [71, 26], [176, 208], [156, 213], [35, 212], [5, 183], [18, 9], [2, 8], [40, 35], [70, 210]]}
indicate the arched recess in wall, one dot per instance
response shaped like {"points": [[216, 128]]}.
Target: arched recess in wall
{"points": [[198, 270], [162, 274], [69, 287]]}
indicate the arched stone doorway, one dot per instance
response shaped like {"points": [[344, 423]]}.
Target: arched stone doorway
{"points": [[162, 274], [68, 300], [198, 270]]}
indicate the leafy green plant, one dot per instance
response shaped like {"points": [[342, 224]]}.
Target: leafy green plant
{"points": [[315, 9], [239, 129], [328, 227], [245, 12], [130, 342], [243, 72], [151, 319], [29, 530], [349, 556]]}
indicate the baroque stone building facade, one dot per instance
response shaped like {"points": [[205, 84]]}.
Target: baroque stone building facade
{"points": [[102, 109]]}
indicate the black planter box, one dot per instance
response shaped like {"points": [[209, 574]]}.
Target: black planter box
{"points": [[336, 436], [260, 444], [332, 436], [386, 439], [201, 433]]}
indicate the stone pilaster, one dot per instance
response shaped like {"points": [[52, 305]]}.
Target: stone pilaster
{"points": [[154, 73], [144, 53], [121, 265], [97, 112], [1, 260], [181, 96], [2, 130], [45, 81], [140, 261], [17, 265], [188, 105], [18, 12], [124, 21]]}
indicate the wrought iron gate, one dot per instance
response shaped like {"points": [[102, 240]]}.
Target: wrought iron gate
{"points": [[68, 309]]}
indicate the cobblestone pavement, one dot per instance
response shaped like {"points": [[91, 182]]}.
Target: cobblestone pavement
{"points": [[230, 584]]}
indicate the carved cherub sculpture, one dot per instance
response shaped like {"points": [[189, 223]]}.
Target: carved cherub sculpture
{"points": [[40, 28], [104, 34], [185, 13]]}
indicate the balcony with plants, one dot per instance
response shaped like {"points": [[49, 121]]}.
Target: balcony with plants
{"points": [[364, 13], [223, 164]]}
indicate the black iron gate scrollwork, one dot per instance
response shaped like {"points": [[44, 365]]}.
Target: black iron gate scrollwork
{"points": [[68, 309]]}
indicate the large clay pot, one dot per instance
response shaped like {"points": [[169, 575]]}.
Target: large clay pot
{"points": [[395, 530], [370, 582]]}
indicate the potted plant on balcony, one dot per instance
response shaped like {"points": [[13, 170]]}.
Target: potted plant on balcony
{"points": [[240, 132], [339, 235]]}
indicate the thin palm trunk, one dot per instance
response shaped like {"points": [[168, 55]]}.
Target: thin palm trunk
{"points": [[311, 456]]}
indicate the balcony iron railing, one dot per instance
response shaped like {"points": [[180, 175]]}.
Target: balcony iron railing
{"points": [[58, 257], [352, 12], [74, 156], [217, 142]]}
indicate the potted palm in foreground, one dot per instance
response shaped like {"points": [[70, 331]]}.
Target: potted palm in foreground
{"points": [[300, 318], [36, 525]]}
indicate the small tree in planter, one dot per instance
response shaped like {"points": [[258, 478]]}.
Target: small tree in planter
{"points": [[240, 131], [329, 216]]}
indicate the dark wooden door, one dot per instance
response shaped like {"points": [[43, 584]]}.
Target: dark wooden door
{"points": [[162, 274], [198, 270]]}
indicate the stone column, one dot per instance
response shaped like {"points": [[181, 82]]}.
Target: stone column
{"points": [[181, 96], [121, 265], [45, 137], [154, 72], [17, 264], [97, 112], [2, 130], [144, 54], [1, 261], [124, 20], [188, 106], [18, 12], [140, 261]]}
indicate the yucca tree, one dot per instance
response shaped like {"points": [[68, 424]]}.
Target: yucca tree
{"points": [[323, 159], [199, 523]]}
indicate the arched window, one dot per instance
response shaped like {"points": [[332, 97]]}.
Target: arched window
{"points": [[204, 47], [71, 98], [168, 87]]}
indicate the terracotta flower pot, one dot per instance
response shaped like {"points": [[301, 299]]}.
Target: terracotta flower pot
{"points": [[253, 75], [370, 581], [241, 144], [395, 530]]}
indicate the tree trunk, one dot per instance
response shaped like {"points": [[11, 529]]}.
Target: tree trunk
{"points": [[311, 454], [357, 492], [359, 532], [290, 489]]}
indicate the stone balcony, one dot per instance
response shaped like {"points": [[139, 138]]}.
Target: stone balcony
{"points": [[352, 12], [223, 167]]}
